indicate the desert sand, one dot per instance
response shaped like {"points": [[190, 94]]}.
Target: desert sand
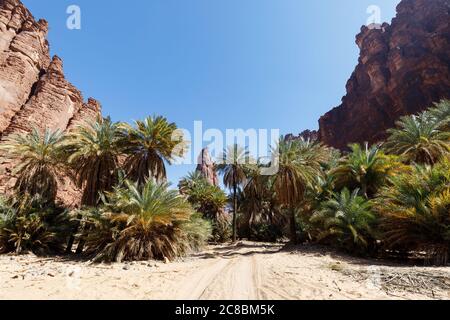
{"points": [[244, 271]]}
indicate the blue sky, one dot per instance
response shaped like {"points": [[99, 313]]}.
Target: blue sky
{"points": [[272, 64]]}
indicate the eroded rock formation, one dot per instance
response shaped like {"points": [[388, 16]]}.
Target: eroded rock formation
{"points": [[307, 135], [207, 168], [33, 89], [403, 68]]}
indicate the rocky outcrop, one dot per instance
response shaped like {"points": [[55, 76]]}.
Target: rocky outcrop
{"points": [[87, 113], [207, 167], [34, 92], [403, 68], [306, 135]]}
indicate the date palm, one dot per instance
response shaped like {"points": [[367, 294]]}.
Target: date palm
{"points": [[232, 166], [145, 221], [253, 194], [29, 225], [420, 139], [300, 163], [364, 168], [258, 198], [210, 201], [346, 218], [92, 151], [149, 145], [206, 198], [414, 211], [191, 182], [37, 159], [441, 113]]}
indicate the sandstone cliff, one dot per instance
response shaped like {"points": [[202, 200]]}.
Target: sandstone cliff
{"points": [[207, 168], [403, 68], [33, 89]]}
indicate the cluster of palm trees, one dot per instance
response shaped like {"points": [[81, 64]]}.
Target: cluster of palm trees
{"points": [[388, 199], [128, 211]]}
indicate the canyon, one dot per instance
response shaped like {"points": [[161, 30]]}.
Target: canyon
{"points": [[403, 69]]}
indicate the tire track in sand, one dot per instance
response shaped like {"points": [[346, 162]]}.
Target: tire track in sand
{"points": [[198, 281], [235, 282]]}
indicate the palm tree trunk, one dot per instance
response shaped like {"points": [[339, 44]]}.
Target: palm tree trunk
{"points": [[364, 190], [82, 241], [19, 246], [71, 242], [72, 236], [90, 202], [293, 226], [234, 213]]}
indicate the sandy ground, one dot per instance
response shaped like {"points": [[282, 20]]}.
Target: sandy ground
{"points": [[243, 271]]}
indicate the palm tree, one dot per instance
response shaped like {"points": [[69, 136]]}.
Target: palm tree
{"points": [[149, 145], [364, 168], [38, 162], [93, 152], [29, 225], [321, 191], [419, 139], [232, 166], [210, 201], [414, 211], [206, 198], [253, 194], [347, 218], [141, 222], [261, 217], [258, 198], [300, 162], [441, 114], [191, 181]]}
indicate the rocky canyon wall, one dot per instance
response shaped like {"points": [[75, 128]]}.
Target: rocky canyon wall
{"points": [[403, 68], [33, 89]]}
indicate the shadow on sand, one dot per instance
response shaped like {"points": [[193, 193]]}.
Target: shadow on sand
{"points": [[247, 248]]}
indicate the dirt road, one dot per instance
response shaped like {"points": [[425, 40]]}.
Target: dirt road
{"points": [[244, 271], [229, 274]]}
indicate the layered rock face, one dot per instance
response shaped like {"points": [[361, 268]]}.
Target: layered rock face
{"points": [[207, 168], [33, 90], [403, 69]]}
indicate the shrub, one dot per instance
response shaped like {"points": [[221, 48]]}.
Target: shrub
{"points": [[266, 232], [28, 226], [222, 230]]}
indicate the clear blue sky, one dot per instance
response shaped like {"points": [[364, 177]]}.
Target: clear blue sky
{"points": [[277, 64]]}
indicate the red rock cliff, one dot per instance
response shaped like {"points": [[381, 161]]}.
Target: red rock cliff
{"points": [[403, 68], [33, 89], [207, 168]]}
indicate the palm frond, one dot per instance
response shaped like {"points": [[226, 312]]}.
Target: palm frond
{"points": [[39, 164]]}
